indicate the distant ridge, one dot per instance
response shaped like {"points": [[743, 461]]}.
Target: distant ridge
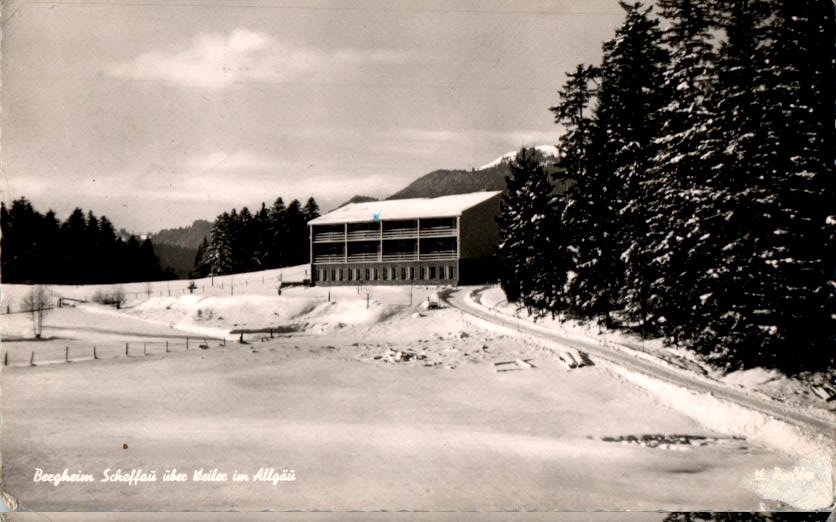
{"points": [[357, 198], [186, 237]]}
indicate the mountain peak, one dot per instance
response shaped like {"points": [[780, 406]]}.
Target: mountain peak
{"points": [[547, 151]]}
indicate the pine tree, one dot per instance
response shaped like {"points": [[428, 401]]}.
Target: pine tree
{"points": [[767, 300], [201, 267], [621, 147], [676, 197], [277, 234], [573, 227], [529, 270], [220, 246]]}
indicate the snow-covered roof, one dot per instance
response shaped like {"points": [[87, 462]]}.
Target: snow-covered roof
{"points": [[443, 206]]}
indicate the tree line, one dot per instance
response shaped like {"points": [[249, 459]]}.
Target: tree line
{"points": [[83, 249], [272, 237], [703, 208]]}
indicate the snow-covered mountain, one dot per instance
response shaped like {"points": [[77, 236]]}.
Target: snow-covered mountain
{"points": [[548, 152], [445, 182]]}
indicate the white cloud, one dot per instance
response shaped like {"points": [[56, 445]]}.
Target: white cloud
{"points": [[215, 60]]}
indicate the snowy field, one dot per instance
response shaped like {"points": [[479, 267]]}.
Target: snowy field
{"points": [[389, 405]]}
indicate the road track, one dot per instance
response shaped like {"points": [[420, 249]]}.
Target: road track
{"points": [[458, 299]]}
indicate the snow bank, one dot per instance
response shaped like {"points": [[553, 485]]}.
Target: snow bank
{"points": [[334, 315]]}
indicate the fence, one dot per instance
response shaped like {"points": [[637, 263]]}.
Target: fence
{"points": [[73, 352], [224, 285]]}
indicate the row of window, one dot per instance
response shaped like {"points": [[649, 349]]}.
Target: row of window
{"points": [[387, 273]]}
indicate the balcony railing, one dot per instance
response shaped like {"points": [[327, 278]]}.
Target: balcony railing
{"points": [[438, 231], [329, 259], [328, 237], [400, 233], [362, 258], [438, 255], [363, 234], [411, 256]]}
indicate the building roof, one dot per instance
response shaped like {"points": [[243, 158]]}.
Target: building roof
{"points": [[443, 206]]}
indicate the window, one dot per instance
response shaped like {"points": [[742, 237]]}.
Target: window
{"points": [[386, 273], [366, 274], [375, 275], [451, 272], [333, 275], [341, 274], [412, 273], [350, 274], [403, 273], [432, 272]]}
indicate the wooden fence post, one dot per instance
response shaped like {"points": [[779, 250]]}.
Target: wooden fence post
{"points": [[187, 344], [6, 359], [166, 347], [144, 348], [224, 340], [66, 354], [32, 359], [94, 353], [126, 349], [367, 301]]}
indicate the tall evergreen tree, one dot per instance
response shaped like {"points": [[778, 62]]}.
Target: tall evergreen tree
{"points": [[676, 250], [626, 125], [767, 299], [529, 269], [575, 223]]}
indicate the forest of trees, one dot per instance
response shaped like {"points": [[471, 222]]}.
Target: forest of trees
{"points": [[704, 210], [272, 237], [84, 249]]}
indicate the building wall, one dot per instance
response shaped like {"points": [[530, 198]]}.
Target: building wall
{"points": [[479, 230], [422, 272]]}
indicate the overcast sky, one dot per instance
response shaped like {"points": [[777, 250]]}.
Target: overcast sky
{"points": [[159, 113]]}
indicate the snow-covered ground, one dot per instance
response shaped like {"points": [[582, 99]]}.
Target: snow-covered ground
{"points": [[798, 392], [394, 406]]}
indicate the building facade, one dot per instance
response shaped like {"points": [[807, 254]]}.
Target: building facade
{"points": [[443, 240]]}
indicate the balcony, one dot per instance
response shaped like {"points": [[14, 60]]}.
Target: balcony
{"points": [[361, 235], [438, 232], [329, 258], [401, 256], [438, 255], [400, 233], [364, 257], [329, 237]]}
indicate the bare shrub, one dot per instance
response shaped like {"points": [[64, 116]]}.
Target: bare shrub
{"points": [[38, 303], [113, 297]]}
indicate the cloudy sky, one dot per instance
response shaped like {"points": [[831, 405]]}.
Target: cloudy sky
{"points": [[159, 113]]}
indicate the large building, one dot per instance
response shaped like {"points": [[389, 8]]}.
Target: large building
{"points": [[443, 240]]}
